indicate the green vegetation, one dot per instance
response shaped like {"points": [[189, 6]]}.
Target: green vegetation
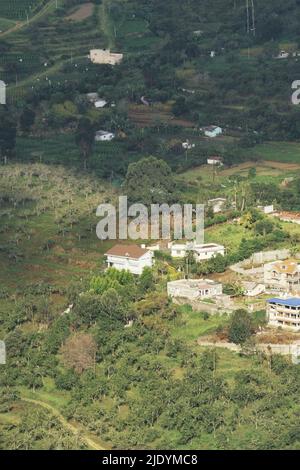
{"points": [[103, 359]]}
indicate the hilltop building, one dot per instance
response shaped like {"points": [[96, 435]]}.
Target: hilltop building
{"points": [[104, 136]]}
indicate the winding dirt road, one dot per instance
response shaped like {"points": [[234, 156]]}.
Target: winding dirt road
{"points": [[74, 429]]}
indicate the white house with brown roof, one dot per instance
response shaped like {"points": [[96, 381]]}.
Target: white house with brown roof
{"points": [[282, 276], [131, 258]]}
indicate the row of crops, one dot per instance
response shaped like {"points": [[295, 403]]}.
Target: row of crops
{"points": [[19, 64], [19, 9]]}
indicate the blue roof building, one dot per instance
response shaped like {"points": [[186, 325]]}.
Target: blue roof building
{"points": [[284, 313]]}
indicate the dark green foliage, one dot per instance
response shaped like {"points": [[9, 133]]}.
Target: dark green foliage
{"points": [[240, 327], [150, 181]]}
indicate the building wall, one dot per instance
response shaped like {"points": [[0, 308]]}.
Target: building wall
{"points": [[102, 56], [281, 281], [284, 317], [178, 251], [176, 289], [129, 264], [204, 255]]}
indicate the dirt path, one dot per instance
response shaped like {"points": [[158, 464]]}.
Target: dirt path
{"points": [[106, 24], [74, 429]]}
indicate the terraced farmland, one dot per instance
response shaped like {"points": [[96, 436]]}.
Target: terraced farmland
{"points": [[18, 10]]}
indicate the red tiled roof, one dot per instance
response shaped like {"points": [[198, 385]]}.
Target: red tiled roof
{"points": [[130, 251]]}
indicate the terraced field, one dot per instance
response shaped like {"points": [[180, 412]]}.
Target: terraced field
{"points": [[18, 10]]}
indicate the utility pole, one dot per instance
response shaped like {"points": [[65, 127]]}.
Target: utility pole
{"points": [[253, 18], [248, 17], [253, 27]]}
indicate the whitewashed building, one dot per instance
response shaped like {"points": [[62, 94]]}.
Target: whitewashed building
{"points": [[104, 136], [218, 161], [201, 252], [194, 289], [212, 131], [101, 103], [104, 56], [217, 204], [266, 209], [208, 251], [284, 313], [131, 258]]}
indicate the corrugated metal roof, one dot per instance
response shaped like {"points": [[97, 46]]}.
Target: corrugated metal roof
{"points": [[293, 302]]}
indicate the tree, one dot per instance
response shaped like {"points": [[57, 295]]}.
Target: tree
{"points": [[240, 327], [264, 226], [146, 280], [8, 132], [27, 119], [150, 181], [79, 352], [84, 138]]}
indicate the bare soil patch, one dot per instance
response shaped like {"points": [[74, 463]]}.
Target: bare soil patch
{"points": [[144, 116], [82, 12]]}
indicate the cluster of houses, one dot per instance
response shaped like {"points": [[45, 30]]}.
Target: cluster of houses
{"points": [[281, 277], [135, 258]]}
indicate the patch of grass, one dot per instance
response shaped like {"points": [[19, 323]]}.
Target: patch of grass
{"points": [[285, 152], [192, 324], [5, 24]]}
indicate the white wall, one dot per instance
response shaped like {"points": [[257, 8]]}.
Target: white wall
{"points": [[135, 266]]}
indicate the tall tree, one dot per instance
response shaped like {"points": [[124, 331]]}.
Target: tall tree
{"points": [[8, 132], [84, 138]]}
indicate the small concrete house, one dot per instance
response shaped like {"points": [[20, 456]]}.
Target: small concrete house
{"points": [[284, 313], [131, 258], [253, 289], [283, 55], [104, 56], [92, 97], [267, 209], [201, 252], [217, 204], [208, 251], [194, 289], [212, 131], [104, 136], [187, 145], [282, 276], [101, 103], [215, 161]]}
